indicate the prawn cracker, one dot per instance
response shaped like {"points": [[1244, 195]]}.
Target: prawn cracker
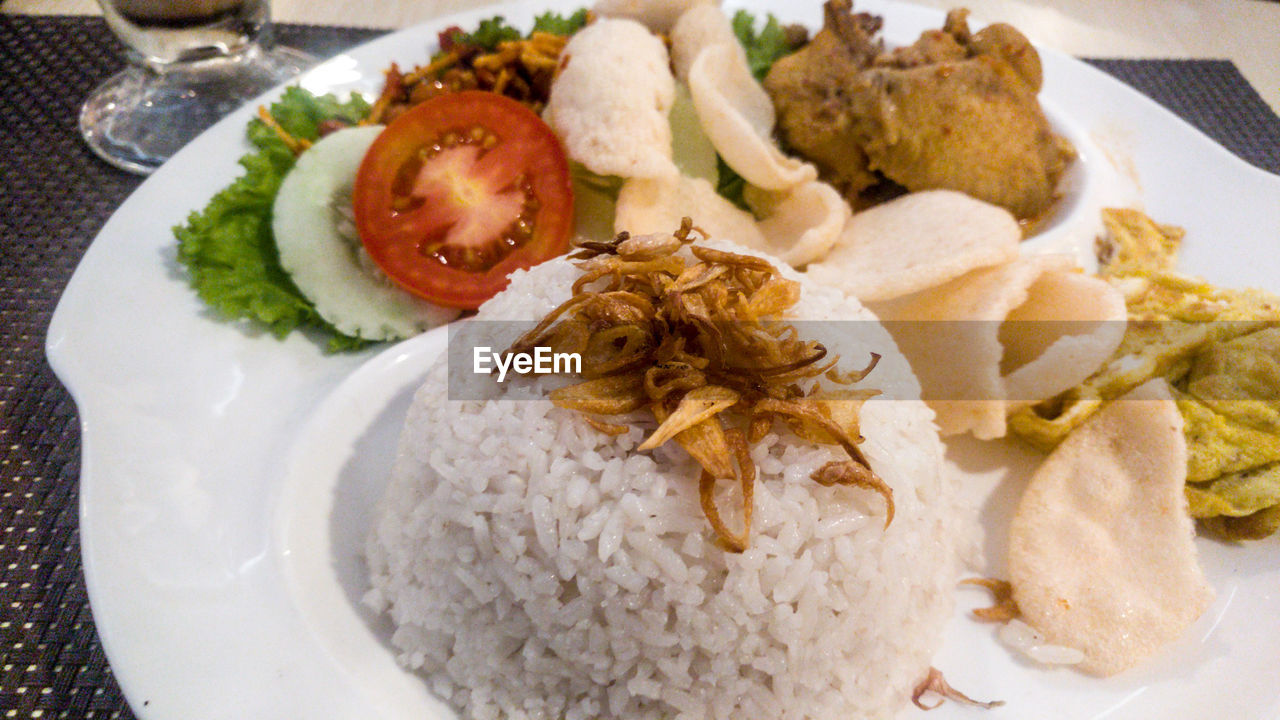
{"points": [[1101, 553], [918, 241], [610, 113]]}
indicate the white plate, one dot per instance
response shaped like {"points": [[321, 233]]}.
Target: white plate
{"points": [[227, 477]]}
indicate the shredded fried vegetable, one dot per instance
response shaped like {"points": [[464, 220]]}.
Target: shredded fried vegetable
{"points": [[521, 69], [296, 145], [936, 684], [697, 344]]}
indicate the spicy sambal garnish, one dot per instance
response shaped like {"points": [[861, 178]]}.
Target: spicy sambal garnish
{"points": [[695, 339]]}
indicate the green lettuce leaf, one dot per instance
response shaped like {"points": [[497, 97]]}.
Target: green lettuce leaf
{"points": [[495, 30], [228, 249], [557, 24], [488, 34], [730, 184], [763, 48]]}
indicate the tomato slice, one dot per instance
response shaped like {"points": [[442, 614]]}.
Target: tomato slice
{"points": [[458, 192]]}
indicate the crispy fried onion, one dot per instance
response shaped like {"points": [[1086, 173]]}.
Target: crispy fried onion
{"points": [[936, 684], [695, 341], [1005, 607]]}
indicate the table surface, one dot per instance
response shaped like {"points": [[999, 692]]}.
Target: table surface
{"points": [[1246, 32], [51, 661]]}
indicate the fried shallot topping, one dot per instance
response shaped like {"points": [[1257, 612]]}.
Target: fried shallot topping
{"points": [[693, 338], [1005, 607], [936, 684]]}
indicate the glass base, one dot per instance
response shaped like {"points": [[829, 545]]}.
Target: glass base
{"points": [[140, 117]]}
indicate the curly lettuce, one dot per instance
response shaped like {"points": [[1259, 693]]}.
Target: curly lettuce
{"points": [[764, 47], [557, 24], [496, 30]]}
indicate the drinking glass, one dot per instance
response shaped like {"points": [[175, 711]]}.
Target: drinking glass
{"points": [[190, 62]]}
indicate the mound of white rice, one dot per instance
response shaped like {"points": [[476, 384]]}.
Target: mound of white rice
{"points": [[536, 568]]}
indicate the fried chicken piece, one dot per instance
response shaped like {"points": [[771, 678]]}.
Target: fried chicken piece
{"points": [[972, 126], [955, 110], [810, 92]]}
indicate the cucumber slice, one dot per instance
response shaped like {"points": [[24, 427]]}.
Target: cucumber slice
{"points": [[691, 149], [316, 238]]}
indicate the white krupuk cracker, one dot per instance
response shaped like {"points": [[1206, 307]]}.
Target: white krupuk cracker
{"points": [[1069, 325], [657, 15], [738, 117], [802, 217], [610, 102], [701, 26], [1056, 324], [1101, 553], [803, 223], [799, 225], [917, 241], [650, 206]]}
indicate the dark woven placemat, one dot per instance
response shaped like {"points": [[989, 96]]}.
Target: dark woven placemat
{"points": [[1213, 96], [55, 196]]}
